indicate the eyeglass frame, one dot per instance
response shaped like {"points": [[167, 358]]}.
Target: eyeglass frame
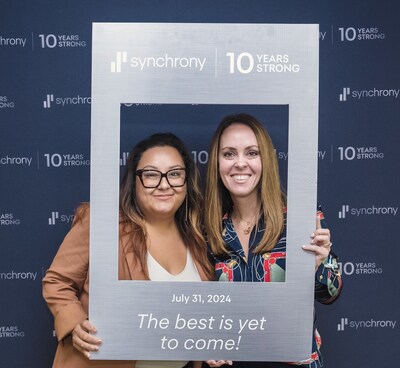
{"points": [[163, 175]]}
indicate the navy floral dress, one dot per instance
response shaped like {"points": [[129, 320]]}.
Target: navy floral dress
{"points": [[270, 267]]}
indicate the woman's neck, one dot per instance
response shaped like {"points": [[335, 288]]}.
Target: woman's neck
{"points": [[245, 208], [161, 225]]}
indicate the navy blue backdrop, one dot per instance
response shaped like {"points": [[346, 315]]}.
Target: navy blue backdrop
{"points": [[45, 68]]}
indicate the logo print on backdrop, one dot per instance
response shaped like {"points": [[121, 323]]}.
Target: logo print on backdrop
{"points": [[348, 94], [9, 160], [5, 104], [282, 155], [366, 211], [9, 41], [56, 217], [359, 268], [322, 35], [344, 94], [343, 322], [121, 57], [13, 275], [66, 159], [52, 219], [345, 209], [64, 101], [359, 153], [51, 41], [351, 34], [8, 219], [9, 332], [47, 102], [371, 323], [124, 158]]}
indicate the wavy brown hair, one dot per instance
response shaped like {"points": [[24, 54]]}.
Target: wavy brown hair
{"points": [[187, 219], [271, 195]]}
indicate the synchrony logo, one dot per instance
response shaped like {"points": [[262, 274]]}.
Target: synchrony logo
{"points": [[52, 219], [344, 94], [64, 101], [371, 323], [12, 160], [281, 155], [373, 210], [123, 159], [12, 42], [345, 209], [47, 102], [164, 61], [55, 217], [13, 275], [343, 322], [121, 57], [347, 94]]}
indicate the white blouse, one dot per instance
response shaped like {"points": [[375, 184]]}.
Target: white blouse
{"points": [[159, 273]]}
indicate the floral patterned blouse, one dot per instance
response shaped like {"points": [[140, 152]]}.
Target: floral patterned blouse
{"points": [[270, 267]]}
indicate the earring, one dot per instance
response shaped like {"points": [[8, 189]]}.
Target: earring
{"points": [[186, 209]]}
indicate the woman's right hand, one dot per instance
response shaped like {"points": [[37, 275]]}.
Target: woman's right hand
{"points": [[82, 339]]}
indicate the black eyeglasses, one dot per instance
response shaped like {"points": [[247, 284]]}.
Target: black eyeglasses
{"points": [[152, 178]]}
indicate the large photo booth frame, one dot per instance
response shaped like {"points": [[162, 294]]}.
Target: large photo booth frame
{"points": [[236, 64]]}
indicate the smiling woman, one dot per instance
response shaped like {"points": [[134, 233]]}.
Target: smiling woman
{"points": [[160, 239], [246, 221], [160, 189], [160, 207]]}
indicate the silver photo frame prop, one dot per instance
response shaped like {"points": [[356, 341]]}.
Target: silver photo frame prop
{"points": [[237, 64]]}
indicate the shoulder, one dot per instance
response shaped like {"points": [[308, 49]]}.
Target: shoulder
{"points": [[82, 214]]}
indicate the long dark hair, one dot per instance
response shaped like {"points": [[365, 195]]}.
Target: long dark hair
{"points": [[188, 216]]}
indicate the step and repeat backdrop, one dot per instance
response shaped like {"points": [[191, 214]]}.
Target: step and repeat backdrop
{"points": [[45, 101]]}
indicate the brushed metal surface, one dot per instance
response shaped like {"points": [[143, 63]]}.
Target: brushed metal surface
{"points": [[137, 319]]}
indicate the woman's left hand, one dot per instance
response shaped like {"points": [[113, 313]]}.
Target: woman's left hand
{"points": [[218, 363], [320, 244]]}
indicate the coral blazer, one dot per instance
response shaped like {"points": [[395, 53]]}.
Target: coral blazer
{"points": [[66, 291]]}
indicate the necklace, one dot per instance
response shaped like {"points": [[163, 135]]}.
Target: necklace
{"points": [[246, 230], [248, 225]]}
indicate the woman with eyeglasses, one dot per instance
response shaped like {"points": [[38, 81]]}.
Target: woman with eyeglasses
{"points": [[160, 239]]}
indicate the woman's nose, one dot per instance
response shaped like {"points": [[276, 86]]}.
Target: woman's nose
{"points": [[164, 184], [241, 161]]}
